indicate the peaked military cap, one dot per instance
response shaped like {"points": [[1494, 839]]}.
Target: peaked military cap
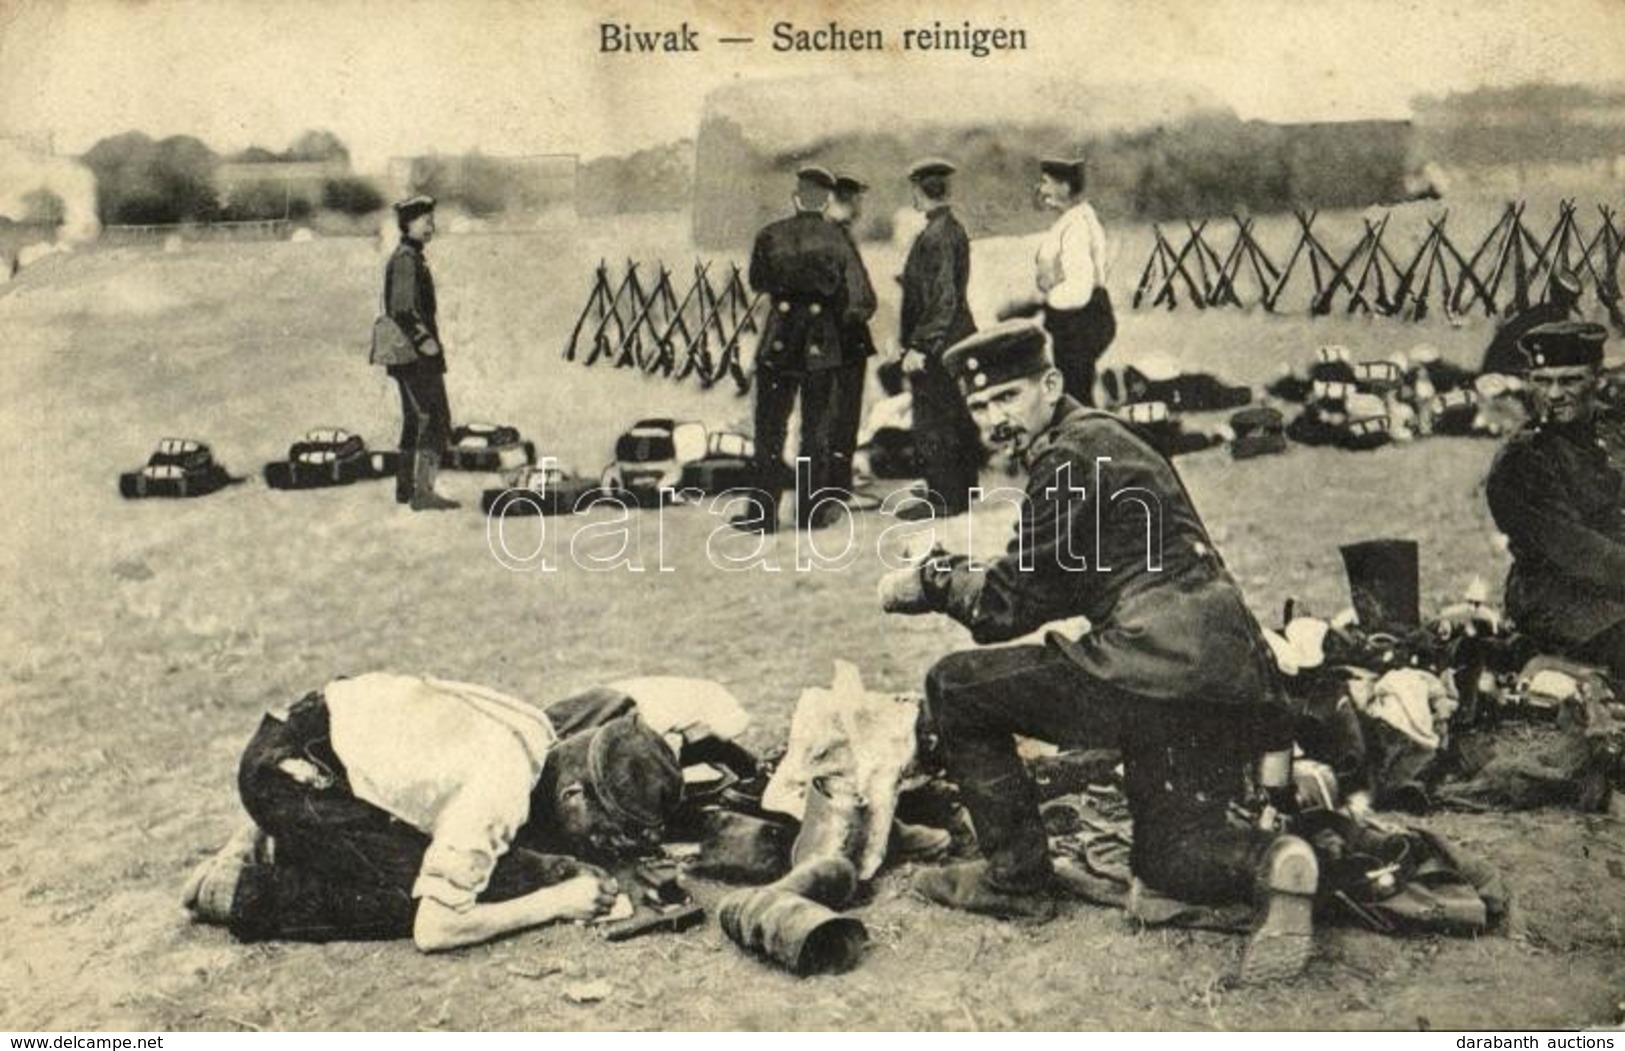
{"points": [[1568, 281], [930, 166], [1007, 351], [1562, 344], [847, 186], [1058, 168], [633, 772], [815, 175], [413, 207]]}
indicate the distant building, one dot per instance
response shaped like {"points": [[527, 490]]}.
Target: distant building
{"points": [[298, 179]]}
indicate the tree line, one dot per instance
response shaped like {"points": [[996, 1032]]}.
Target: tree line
{"points": [[143, 181]]}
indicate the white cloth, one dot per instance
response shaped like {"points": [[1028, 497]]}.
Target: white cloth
{"points": [[453, 760], [693, 709], [848, 732], [895, 412], [1412, 701], [1071, 258]]}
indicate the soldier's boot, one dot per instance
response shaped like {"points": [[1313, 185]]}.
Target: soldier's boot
{"points": [[212, 887], [829, 881], [1283, 932], [404, 470], [969, 885], [425, 465], [761, 512], [918, 842]]}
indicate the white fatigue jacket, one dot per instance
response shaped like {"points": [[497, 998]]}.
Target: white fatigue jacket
{"points": [[453, 760], [1071, 258]]}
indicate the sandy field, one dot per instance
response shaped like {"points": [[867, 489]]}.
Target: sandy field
{"points": [[144, 639]]}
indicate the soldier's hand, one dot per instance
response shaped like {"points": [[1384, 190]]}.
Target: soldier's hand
{"points": [[902, 591], [586, 896], [430, 348], [913, 362]]}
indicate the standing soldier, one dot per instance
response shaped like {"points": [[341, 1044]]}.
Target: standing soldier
{"points": [[1174, 670], [801, 263], [425, 411], [846, 410], [1071, 279], [935, 316]]}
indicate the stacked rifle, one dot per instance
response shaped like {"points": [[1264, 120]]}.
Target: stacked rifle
{"points": [[632, 323], [1510, 269]]}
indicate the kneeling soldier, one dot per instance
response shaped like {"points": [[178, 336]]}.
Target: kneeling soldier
{"points": [[1557, 490], [1175, 671]]}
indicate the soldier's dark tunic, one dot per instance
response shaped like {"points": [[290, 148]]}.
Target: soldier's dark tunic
{"points": [[935, 316], [1174, 671], [802, 264], [425, 410], [858, 346], [1558, 493]]}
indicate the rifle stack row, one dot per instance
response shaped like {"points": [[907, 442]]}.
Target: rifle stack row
{"points": [[648, 326], [1508, 270]]}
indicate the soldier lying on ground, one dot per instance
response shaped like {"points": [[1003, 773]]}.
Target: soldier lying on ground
{"points": [[387, 806]]}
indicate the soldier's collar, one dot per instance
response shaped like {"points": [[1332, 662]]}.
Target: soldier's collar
{"points": [[1581, 432], [413, 243], [938, 209], [1065, 409]]}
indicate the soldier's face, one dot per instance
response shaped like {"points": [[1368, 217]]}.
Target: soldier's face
{"points": [[1010, 415], [1054, 193], [592, 833], [1564, 395], [421, 228], [577, 820]]}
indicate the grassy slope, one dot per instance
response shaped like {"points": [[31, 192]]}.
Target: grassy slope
{"points": [[146, 637]]}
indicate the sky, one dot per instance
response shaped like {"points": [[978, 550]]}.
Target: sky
{"points": [[516, 77]]}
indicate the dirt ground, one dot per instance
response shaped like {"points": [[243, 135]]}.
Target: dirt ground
{"points": [[143, 640]]}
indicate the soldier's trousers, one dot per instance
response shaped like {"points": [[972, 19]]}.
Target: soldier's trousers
{"points": [[776, 393], [846, 419], [425, 422], [1079, 338], [1183, 764], [946, 441], [343, 869]]}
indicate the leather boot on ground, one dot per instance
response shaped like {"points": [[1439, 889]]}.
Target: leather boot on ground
{"points": [[829, 881], [424, 468], [918, 842], [1283, 931], [967, 885]]}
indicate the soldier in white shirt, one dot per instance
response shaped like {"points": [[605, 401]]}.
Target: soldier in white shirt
{"points": [[1071, 280], [389, 805]]}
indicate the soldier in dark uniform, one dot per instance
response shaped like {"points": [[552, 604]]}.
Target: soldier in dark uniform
{"points": [[1557, 490], [1175, 671], [425, 411], [935, 316], [857, 343], [803, 265], [1562, 299]]}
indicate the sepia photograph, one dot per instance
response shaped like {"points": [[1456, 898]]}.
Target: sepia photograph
{"points": [[907, 515]]}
